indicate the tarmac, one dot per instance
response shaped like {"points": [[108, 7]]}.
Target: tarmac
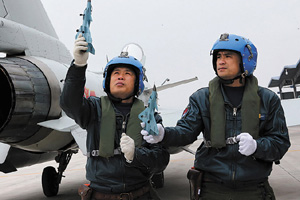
{"points": [[25, 184]]}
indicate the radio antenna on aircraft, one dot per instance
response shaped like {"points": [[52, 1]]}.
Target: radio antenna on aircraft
{"points": [[85, 27]]}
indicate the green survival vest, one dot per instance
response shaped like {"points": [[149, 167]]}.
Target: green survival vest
{"points": [[250, 111], [108, 126]]}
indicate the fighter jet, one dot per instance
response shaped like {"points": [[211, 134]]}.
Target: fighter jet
{"points": [[33, 65]]}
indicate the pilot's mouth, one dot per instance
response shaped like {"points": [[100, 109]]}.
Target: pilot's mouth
{"points": [[221, 68], [120, 83]]}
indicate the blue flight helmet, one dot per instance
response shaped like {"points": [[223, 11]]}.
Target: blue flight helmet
{"points": [[241, 45], [127, 61]]}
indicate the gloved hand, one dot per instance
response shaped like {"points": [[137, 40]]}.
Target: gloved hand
{"points": [[152, 139], [247, 145], [127, 147], [80, 54]]}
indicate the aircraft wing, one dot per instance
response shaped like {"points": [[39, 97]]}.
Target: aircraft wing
{"points": [[66, 124], [63, 124], [148, 90], [163, 87], [4, 148]]}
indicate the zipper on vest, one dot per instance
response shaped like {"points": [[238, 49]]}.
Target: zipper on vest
{"points": [[124, 131], [124, 123], [124, 168], [233, 175], [234, 112], [124, 126], [235, 127]]}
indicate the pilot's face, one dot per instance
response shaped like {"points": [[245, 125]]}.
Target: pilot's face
{"points": [[122, 82], [228, 64]]}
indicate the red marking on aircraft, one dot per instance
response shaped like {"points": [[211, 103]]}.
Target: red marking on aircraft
{"points": [[89, 93]]}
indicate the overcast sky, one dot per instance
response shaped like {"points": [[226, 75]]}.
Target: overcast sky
{"points": [[177, 35]]}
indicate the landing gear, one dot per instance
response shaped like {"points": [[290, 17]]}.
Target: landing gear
{"points": [[50, 178], [49, 181]]}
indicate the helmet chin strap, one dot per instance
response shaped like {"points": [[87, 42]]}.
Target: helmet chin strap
{"points": [[230, 81]]}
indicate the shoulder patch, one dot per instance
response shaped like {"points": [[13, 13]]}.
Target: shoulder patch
{"points": [[186, 110]]}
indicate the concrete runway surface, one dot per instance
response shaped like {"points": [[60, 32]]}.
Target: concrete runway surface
{"points": [[25, 184]]}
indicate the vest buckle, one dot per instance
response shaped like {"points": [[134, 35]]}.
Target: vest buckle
{"points": [[232, 140], [95, 153]]}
